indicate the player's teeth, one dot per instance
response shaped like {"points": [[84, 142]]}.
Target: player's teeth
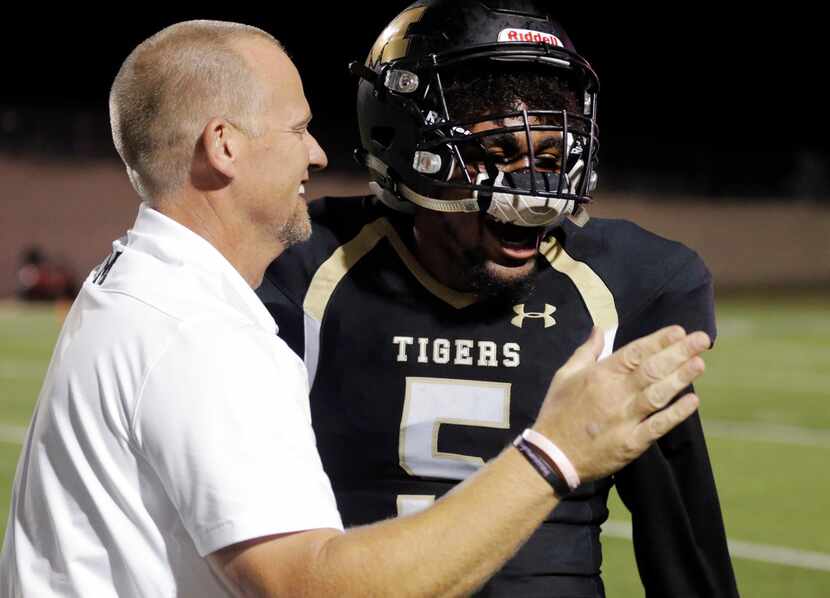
{"points": [[302, 190]]}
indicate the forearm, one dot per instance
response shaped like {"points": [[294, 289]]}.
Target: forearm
{"points": [[450, 549]]}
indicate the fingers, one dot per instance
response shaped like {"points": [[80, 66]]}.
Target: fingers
{"points": [[630, 357], [663, 421], [659, 394], [662, 364]]}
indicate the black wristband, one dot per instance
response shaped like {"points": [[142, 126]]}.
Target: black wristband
{"points": [[551, 475]]}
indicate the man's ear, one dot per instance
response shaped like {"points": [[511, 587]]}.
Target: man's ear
{"points": [[221, 144]]}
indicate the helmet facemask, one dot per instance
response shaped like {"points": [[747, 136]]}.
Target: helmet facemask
{"points": [[477, 121]]}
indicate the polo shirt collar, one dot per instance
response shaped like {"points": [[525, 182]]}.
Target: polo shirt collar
{"points": [[171, 242]]}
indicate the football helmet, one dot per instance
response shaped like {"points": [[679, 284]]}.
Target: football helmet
{"points": [[417, 150]]}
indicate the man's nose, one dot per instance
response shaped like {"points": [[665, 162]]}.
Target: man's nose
{"points": [[317, 158]]}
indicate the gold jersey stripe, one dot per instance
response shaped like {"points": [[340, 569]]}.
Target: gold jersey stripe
{"points": [[345, 257], [454, 298], [595, 293], [332, 271]]}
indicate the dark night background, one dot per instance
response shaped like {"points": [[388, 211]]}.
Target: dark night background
{"points": [[696, 98]]}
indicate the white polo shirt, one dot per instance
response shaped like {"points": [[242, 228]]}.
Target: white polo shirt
{"points": [[172, 422]]}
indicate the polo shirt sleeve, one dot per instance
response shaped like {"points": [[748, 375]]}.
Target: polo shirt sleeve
{"points": [[223, 420]]}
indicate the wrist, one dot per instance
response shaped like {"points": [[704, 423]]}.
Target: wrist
{"points": [[553, 455], [547, 470]]}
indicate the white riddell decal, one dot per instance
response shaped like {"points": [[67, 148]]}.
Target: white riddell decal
{"points": [[529, 35]]}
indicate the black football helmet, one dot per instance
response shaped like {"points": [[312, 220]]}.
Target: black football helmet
{"points": [[416, 149]]}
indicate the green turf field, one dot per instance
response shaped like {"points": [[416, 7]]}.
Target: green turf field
{"points": [[766, 410]]}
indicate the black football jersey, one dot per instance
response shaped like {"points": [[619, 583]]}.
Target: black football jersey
{"points": [[415, 385]]}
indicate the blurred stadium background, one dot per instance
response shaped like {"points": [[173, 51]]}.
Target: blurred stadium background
{"points": [[712, 134]]}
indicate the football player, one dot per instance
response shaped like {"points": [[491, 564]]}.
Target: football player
{"points": [[430, 314]]}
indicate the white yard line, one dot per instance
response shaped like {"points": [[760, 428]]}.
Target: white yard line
{"points": [[763, 432], [730, 430], [764, 553]]}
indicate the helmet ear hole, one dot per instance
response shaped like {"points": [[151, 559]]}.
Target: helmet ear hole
{"points": [[383, 136]]}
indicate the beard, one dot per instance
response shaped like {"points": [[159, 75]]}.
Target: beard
{"points": [[297, 228], [488, 285]]}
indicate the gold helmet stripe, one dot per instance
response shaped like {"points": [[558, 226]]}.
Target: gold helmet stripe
{"points": [[392, 42]]}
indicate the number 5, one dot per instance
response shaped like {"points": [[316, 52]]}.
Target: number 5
{"points": [[430, 402]]}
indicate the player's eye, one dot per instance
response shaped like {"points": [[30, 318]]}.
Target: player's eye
{"points": [[547, 161]]}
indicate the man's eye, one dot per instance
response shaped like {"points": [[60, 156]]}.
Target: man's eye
{"points": [[547, 159], [548, 162]]}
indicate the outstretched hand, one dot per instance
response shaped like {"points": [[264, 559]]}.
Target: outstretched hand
{"points": [[605, 414]]}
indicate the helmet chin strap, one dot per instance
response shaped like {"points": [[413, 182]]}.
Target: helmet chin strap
{"points": [[468, 205]]}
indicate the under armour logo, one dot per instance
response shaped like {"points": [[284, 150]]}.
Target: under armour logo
{"points": [[521, 314]]}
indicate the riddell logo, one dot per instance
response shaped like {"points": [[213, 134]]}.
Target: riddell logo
{"points": [[528, 35]]}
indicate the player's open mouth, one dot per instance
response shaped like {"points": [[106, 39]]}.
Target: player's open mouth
{"points": [[301, 190], [517, 242], [510, 235]]}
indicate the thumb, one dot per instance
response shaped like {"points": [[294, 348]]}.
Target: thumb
{"points": [[589, 351]]}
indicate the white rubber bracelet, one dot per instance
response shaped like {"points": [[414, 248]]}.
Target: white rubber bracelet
{"points": [[554, 454]]}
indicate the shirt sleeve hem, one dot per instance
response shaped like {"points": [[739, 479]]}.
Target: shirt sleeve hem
{"points": [[250, 527]]}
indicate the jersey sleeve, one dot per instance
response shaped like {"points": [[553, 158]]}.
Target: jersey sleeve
{"points": [[285, 307], [678, 532], [288, 278], [223, 421]]}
